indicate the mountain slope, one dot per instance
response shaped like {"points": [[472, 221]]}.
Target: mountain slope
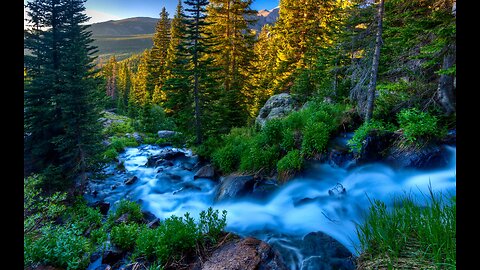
{"points": [[123, 38]]}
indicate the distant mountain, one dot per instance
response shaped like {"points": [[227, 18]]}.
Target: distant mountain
{"points": [[266, 17], [125, 27], [123, 38]]}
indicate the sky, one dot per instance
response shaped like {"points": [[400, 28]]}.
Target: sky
{"points": [[104, 10]]}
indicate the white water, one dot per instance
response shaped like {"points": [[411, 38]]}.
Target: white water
{"points": [[297, 208]]}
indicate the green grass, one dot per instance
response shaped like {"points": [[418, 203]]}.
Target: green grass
{"points": [[410, 233]]}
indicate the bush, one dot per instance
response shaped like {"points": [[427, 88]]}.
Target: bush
{"points": [[259, 156], [125, 235], [211, 225], [110, 154], [227, 158], [83, 216], [356, 142], [59, 246], [133, 210], [292, 162], [419, 125], [147, 241], [119, 143], [177, 236], [315, 138], [118, 128]]}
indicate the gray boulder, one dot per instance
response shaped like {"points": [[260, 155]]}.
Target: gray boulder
{"points": [[277, 106], [234, 186], [206, 171], [165, 134]]}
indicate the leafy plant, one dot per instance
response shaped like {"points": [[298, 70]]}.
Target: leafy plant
{"points": [[292, 162], [124, 206], [125, 235], [419, 125], [60, 246], [361, 133]]}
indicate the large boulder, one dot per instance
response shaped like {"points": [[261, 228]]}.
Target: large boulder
{"points": [[234, 186], [427, 157], [207, 171], [277, 106], [165, 134], [244, 254]]}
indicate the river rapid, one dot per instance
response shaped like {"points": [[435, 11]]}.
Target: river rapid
{"points": [[307, 203]]}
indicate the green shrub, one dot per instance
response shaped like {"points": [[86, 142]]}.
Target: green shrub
{"points": [[119, 143], [356, 142], [98, 236], [124, 206], [419, 125], [227, 158], [125, 235], [118, 128], [258, 156], [272, 132], [211, 225], [147, 241], [39, 210], [83, 216], [110, 154], [292, 162], [179, 236], [59, 246], [315, 138]]}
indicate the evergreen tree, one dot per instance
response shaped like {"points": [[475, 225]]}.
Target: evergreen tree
{"points": [[197, 46], [158, 58], [262, 72], [303, 27], [179, 98], [124, 86], [61, 92], [138, 95], [233, 41]]}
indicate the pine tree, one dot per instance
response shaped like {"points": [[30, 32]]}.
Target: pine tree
{"points": [[197, 47], [303, 27], [158, 57], [229, 23], [124, 86], [179, 98], [62, 84]]}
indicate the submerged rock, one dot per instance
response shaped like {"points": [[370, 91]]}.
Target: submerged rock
{"points": [[314, 251]]}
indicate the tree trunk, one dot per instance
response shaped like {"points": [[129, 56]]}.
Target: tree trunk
{"points": [[376, 58], [446, 87]]}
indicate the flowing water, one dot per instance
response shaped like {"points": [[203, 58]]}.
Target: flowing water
{"points": [[301, 206]]}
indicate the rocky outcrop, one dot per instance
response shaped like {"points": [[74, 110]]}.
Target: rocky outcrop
{"points": [[164, 158], [383, 146], [234, 186], [207, 171], [277, 106], [244, 254], [166, 134]]}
